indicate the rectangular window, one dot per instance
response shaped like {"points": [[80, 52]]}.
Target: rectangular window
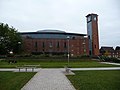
{"points": [[35, 44], [43, 45], [58, 45], [50, 45], [90, 52], [84, 46], [84, 50], [65, 45], [89, 37], [95, 46]]}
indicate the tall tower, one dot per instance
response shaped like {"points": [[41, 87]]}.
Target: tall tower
{"points": [[92, 32]]}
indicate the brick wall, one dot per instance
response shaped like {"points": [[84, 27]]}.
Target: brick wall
{"points": [[77, 46]]}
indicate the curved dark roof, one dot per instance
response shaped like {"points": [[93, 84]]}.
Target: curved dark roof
{"points": [[50, 34], [50, 31]]}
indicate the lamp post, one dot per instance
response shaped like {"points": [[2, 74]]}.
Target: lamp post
{"points": [[19, 43], [68, 37], [11, 52]]}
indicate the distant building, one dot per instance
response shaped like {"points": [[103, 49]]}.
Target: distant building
{"points": [[56, 42], [117, 52], [110, 52], [107, 51]]}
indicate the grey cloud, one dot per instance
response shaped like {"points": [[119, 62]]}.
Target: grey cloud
{"points": [[68, 15]]}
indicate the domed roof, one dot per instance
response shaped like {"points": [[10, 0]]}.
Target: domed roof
{"points": [[51, 31]]}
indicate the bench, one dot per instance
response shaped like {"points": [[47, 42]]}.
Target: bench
{"points": [[26, 67]]}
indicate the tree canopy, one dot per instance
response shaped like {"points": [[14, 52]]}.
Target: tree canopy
{"points": [[10, 39]]}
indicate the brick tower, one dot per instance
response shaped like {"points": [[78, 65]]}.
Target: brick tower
{"points": [[92, 32]]}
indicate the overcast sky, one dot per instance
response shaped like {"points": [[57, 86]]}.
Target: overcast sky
{"points": [[66, 15]]}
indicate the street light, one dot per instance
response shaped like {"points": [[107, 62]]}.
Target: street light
{"points": [[19, 43], [68, 37], [11, 52]]}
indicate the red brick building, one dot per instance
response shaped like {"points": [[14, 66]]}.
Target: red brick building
{"points": [[55, 42], [117, 52], [107, 51], [110, 51], [60, 42]]}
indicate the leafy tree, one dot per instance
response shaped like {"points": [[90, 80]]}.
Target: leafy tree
{"points": [[10, 39]]}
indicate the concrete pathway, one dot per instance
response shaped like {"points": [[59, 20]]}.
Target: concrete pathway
{"points": [[17, 70], [7, 69], [49, 79], [110, 63], [61, 69], [106, 68]]}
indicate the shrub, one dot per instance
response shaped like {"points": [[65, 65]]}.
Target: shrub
{"points": [[105, 59], [85, 57], [115, 60], [109, 59]]}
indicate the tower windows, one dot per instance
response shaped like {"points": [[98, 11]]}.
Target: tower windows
{"points": [[89, 19], [89, 37], [95, 46], [94, 18]]}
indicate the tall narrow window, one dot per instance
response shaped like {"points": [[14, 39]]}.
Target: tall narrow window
{"points": [[65, 45], [58, 45], [43, 45], [50, 45], [90, 52], [95, 46], [89, 37], [35, 44], [84, 50]]}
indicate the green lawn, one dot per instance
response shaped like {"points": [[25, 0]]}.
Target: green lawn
{"points": [[96, 80], [56, 64], [14, 80]]}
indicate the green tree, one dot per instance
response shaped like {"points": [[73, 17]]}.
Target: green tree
{"points": [[10, 39]]}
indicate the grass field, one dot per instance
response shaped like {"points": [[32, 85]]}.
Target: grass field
{"points": [[96, 80], [14, 80], [55, 63]]}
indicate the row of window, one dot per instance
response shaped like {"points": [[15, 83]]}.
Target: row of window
{"points": [[50, 44]]}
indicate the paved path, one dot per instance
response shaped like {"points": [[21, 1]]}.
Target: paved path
{"points": [[17, 70], [49, 79], [110, 63], [62, 69], [106, 68], [7, 69]]}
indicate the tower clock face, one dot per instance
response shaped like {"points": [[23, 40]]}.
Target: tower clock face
{"points": [[94, 18], [89, 18]]}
